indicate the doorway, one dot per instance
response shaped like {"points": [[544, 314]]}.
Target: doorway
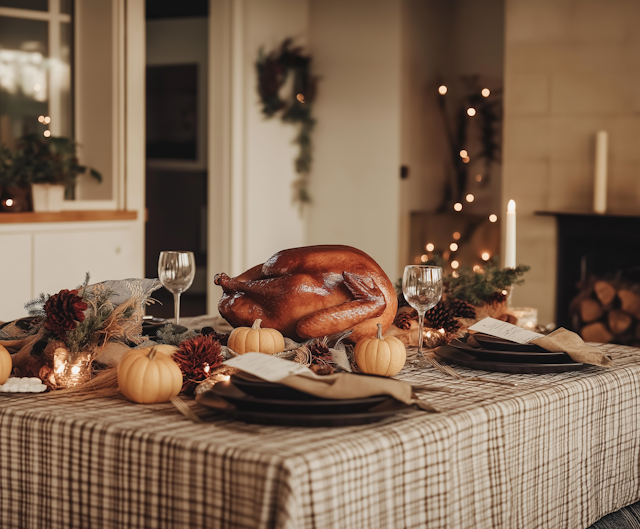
{"points": [[176, 149]]}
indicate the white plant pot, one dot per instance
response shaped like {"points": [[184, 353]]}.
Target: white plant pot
{"points": [[47, 197]]}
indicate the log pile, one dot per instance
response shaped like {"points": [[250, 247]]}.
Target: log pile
{"points": [[608, 312]]}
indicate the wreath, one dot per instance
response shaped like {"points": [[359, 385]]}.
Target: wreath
{"points": [[273, 70]]}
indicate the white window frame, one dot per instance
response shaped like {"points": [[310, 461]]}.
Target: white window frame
{"points": [[54, 18]]}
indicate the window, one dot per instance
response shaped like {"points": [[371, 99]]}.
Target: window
{"points": [[36, 68]]}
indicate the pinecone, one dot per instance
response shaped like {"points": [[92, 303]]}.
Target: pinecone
{"points": [[320, 352], [440, 317], [197, 357], [402, 302], [462, 309], [221, 337], [325, 369], [403, 320], [64, 311], [497, 298]]}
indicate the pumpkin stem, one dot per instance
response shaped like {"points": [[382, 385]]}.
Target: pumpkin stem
{"points": [[256, 324], [379, 331], [152, 353]]}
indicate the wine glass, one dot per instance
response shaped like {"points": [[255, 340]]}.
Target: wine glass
{"points": [[176, 271], [422, 288]]}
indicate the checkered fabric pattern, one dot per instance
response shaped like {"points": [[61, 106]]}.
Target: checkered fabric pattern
{"points": [[557, 451]]}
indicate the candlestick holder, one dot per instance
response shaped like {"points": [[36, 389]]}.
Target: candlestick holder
{"points": [[70, 369], [527, 317]]}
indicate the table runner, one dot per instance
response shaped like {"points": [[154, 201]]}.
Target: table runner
{"points": [[558, 450]]}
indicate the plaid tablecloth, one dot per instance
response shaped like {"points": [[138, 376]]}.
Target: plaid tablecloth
{"points": [[556, 451]]}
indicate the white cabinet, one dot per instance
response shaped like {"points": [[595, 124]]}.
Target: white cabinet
{"points": [[15, 274], [48, 257], [61, 260]]}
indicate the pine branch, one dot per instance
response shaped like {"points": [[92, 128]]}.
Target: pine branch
{"points": [[167, 336], [35, 307]]}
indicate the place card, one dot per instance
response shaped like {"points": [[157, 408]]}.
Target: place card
{"points": [[267, 367], [507, 331]]}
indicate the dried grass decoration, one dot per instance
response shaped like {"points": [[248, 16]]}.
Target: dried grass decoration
{"points": [[76, 327], [198, 358]]}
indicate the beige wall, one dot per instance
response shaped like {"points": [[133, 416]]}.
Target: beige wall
{"points": [[355, 180], [441, 41], [424, 147], [273, 222], [572, 67]]}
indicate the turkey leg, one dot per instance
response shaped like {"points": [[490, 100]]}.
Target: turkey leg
{"points": [[369, 303]]}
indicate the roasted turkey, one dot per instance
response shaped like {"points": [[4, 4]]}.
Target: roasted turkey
{"points": [[311, 292]]}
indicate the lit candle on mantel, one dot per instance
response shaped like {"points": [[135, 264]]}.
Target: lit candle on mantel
{"points": [[510, 236], [600, 183]]}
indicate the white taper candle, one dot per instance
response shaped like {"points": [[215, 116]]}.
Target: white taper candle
{"points": [[510, 236], [600, 183]]}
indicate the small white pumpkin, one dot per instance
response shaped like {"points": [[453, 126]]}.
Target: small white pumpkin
{"points": [[380, 356], [149, 375], [256, 340], [6, 365]]}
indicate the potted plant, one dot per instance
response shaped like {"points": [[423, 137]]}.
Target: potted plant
{"points": [[49, 166], [15, 193]]}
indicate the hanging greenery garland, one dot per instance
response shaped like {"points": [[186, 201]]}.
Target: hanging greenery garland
{"points": [[273, 71]]}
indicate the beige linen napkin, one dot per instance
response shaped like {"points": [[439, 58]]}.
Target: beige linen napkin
{"points": [[348, 386], [564, 341]]}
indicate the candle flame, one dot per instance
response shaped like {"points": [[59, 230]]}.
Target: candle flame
{"points": [[511, 206]]}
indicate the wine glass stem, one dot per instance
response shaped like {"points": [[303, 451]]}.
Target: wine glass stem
{"points": [[420, 331], [176, 303]]}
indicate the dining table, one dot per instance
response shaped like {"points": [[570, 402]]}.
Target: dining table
{"points": [[556, 450]]}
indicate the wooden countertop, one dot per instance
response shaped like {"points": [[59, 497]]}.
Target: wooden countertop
{"points": [[67, 216]]}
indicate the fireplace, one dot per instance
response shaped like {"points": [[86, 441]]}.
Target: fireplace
{"points": [[591, 245]]}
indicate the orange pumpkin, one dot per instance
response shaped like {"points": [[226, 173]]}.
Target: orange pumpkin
{"points": [[256, 340], [380, 356], [6, 365], [149, 375]]}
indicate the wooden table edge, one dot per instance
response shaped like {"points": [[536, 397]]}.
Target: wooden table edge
{"points": [[67, 216]]}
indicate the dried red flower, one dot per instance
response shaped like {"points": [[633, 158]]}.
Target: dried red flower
{"points": [[197, 357], [64, 311]]}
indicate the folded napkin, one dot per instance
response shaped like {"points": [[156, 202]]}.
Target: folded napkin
{"points": [[564, 341], [336, 386], [349, 386]]}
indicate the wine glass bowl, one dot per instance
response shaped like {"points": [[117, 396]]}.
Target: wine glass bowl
{"points": [[176, 271], [422, 288]]}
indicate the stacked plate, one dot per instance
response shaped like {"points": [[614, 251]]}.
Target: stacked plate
{"points": [[254, 400], [480, 351]]}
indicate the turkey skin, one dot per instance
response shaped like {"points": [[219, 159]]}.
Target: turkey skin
{"points": [[311, 292]]}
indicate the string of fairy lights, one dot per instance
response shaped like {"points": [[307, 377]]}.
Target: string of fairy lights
{"points": [[454, 246]]}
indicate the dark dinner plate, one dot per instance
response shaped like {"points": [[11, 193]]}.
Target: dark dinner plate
{"points": [[457, 356], [499, 344], [238, 398], [510, 356], [376, 413], [268, 390]]}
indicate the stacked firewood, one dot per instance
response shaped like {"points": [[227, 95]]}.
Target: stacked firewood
{"points": [[608, 312]]}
